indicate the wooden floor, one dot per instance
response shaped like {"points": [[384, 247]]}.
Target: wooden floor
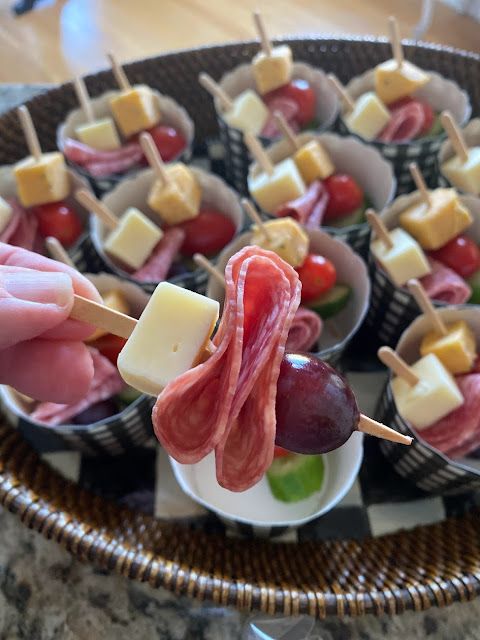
{"points": [[66, 37]]}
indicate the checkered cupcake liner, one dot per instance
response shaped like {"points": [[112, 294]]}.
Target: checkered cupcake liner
{"points": [[471, 134]]}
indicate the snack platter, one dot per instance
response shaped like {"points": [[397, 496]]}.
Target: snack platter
{"points": [[361, 525]]}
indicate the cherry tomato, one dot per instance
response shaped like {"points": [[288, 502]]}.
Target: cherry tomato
{"points": [[300, 92], [208, 233], [317, 275], [168, 141], [344, 196], [460, 254], [110, 346], [280, 452], [59, 220]]}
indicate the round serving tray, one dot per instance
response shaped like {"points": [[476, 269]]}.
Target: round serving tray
{"points": [[429, 565]]}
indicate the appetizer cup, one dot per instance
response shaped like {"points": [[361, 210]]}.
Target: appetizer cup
{"points": [[173, 115], [442, 95], [365, 164], [115, 435], [339, 330], [256, 511], [237, 156], [471, 133], [421, 463], [133, 192], [392, 308]]}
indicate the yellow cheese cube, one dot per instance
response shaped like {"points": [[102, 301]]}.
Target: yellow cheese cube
{"points": [[313, 162], [405, 260], [100, 134], [169, 338], [464, 175], [6, 212], [369, 116], [113, 300], [249, 113], [180, 199], [134, 239], [135, 110], [286, 238], [43, 181], [271, 191], [393, 82], [434, 396], [271, 72], [434, 225], [456, 350]]}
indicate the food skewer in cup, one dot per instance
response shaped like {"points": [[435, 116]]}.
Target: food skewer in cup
{"points": [[463, 169], [272, 66], [99, 133]]}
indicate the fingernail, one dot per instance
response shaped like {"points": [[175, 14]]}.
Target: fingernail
{"points": [[40, 287]]}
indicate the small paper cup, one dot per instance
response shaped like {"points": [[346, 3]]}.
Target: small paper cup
{"points": [[471, 133], [441, 94], [256, 511], [392, 308], [365, 164], [421, 463], [116, 435], [351, 270], [133, 192], [237, 156], [173, 115]]}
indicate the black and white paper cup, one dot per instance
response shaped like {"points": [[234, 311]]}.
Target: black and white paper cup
{"points": [[173, 115], [441, 94], [420, 463], [116, 435], [349, 155], [471, 134], [237, 156], [134, 191]]}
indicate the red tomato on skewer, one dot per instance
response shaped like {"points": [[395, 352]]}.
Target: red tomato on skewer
{"points": [[208, 233], [59, 220], [317, 275], [344, 196], [300, 92], [460, 254]]}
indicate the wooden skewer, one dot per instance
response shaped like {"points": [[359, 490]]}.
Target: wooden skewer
{"points": [[455, 135], [90, 202], [425, 304], [119, 73], [255, 217], [420, 183], [379, 228], [83, 98], [29, 132], [215, 90], [400, 368], [102, 317], [379, 430], [395, 40], [154, 158], [57, 252], [287, 130], [342, 93], [262, 33], [258, 152], [204, 263]]}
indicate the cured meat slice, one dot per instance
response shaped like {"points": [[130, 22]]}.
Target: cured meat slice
{"points": [[311, 205], [100, 169], [305, 330], [105, 384], [103, 163], [228, 402], [444, 285], [21, 231], [406, 123], [158, 265], [288, 108]]}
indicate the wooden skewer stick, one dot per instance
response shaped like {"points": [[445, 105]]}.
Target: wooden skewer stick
{"points": [[455, 135], [215, 90], [83, 98], [255, 217], [395, 40], [154, 158], [400, 368], [29, 132], [262, 33], [377, 225], [102, 317], [259, 153], [119, 73], [379, 430], [420, 183], [425, 304], [287, 130], [341, 92], [57, 252], [90, 202], [204, 263]]}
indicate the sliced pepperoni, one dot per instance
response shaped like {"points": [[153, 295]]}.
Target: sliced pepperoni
{"points": [[305, 330], [158, 265], [444, 285], [407, 122]]}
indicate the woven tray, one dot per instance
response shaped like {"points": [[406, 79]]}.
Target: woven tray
{"points": [[430, 565]]}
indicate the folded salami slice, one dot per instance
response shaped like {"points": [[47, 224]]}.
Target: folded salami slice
{"points": [[305, 330], [444, 285], [105, 384], [158, 265], [406, 123], [307, 209], [21, 231], [228, 402], [103, 163], [288, 108]]}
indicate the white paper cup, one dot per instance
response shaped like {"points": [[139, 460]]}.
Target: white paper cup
{"points": [[471, 133]]}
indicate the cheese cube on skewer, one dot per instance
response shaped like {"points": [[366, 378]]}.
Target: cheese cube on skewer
{"points": [[369, 116], [113, 300], [135, 110], [393, 81], [6, 212], [42, 181], [169, 338], [464, 175], [286, 238], [100, 134], [272, 71], [434, 396], [456, 350], [249, 113], [271, 191], [180, 199], [405, 260], [313, 162]]}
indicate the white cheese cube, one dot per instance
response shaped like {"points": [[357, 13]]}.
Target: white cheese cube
{"points": [[273, 71], [133, 240], [6, 212], [100, 134], [434, 396], [169, 338], [464, 175], [271, 191], [249, 113], [369, 116], [405, 260]]}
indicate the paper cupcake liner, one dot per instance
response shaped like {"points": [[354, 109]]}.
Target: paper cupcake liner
{"points": [[471, 133], [392, 309], [134, 192], [237, 156], [420, 463], [173, 115], [337, 331], [116, 435], [349, 155], [441, 94]]}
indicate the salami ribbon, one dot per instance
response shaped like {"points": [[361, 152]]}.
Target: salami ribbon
{"points": [[305, 330], [21, 231], [309, 208], [443, 284], [158, 265]]}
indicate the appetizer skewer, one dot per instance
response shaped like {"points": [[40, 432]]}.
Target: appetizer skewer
{"points": [[463, 169]]}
